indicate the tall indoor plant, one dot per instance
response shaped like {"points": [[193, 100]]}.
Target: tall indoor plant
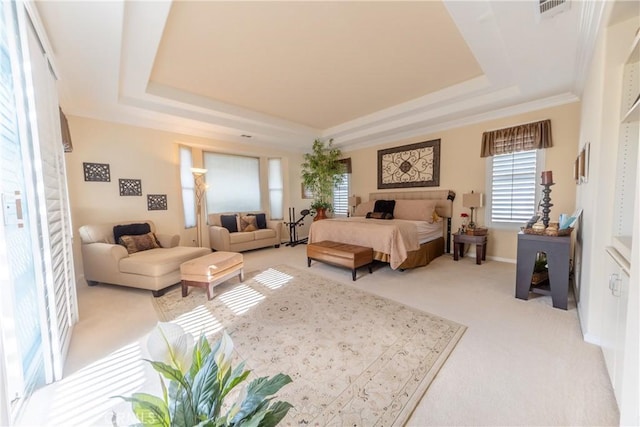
{"points": [[321, 172]]}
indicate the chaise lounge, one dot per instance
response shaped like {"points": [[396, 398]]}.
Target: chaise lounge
{"points": [[154, 268]]}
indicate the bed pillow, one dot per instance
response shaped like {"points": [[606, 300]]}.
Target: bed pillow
{"points": [[248, 223], [385, 206], [415, 210], [363, 208], [139, 243], [230, 222], [130, 230], [379, 215]]}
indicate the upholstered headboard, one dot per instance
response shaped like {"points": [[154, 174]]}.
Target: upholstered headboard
{"points": [[444, 198], [444, 204]]}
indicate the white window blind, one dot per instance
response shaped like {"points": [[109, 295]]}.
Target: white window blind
{"points": [[188, 187], [276, 188], [513, 186], [233, 183], [341, 196]]}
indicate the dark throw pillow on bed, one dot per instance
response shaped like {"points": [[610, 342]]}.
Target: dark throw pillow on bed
{"points": [[130, 230], [230, 222], [379, 215], [385, 206]]}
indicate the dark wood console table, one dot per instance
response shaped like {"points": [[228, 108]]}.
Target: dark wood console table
{"points": [[557, 250]]}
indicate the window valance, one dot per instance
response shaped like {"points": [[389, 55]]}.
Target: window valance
{"points": [[529, 136], [347, 164]]}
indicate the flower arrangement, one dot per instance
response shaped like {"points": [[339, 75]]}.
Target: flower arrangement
{"points": [[465, 219]]}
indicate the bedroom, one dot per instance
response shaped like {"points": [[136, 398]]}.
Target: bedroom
{"points": [[151, 155]]}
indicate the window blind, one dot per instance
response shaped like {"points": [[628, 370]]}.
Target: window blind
{"points": [[233, 183], [341, 196], [513, 186]]}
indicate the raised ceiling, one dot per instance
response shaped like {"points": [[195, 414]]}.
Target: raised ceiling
{"points": [[285, 73], [317, 64]]}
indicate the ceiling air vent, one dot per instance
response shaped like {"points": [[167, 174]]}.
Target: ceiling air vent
{"points": [[549, 8]]}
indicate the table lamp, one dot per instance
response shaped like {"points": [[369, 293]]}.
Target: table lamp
{"points": [[353, 202], [472, 201]]}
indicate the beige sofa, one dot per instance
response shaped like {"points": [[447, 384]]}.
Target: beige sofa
{"points": [[220, 239], [104, 261]]}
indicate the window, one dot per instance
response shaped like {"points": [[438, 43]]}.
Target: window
{"points": [[341, 196], [233, 183], [513, 186], [275, 188], [341, 190], [188, 187]]}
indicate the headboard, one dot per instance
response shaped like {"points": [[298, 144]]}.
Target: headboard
{"points": [[444, 204], [444, 198]]}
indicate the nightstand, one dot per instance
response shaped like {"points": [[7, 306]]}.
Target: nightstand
{"points": [[481, 246]]}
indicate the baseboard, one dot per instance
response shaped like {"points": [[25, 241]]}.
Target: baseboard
{"points": [[592, 339], [497, 258]]}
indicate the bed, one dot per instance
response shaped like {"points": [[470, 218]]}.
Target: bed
{"points": [[412, 239]]}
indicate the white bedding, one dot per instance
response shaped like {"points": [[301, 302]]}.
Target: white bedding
{"points": [[428, 231]]}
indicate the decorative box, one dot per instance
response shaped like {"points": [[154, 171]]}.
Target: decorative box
{"points": [[478, 231]]}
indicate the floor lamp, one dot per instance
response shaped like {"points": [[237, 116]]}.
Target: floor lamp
{"points": [[200, 188]]}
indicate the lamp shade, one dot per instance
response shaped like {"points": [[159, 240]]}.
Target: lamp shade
{"points": [[472, 200], [198, 171], [354, 201]]}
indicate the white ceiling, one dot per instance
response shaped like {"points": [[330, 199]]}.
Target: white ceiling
{"points": [[285, 73]]}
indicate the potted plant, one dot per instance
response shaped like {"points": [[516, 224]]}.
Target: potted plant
{"points": [[321, 172], [198, 385]]}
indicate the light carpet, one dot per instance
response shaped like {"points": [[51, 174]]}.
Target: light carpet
{"points": [[355, 358]]}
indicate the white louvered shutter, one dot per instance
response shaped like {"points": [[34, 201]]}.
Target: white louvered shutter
{"points": [[513, 186], [341, 197], [56, 232]]}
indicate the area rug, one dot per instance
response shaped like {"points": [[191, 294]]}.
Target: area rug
{"points": [[355, 358]]}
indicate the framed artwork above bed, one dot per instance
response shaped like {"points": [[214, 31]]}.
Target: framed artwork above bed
{"points": [[413, 165]]}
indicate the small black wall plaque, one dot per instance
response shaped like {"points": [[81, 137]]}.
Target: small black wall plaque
{"points": [[130, 187], [156, 202], [96, 172]]}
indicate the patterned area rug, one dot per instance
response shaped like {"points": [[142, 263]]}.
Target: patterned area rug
{"points": [[355, 358]]}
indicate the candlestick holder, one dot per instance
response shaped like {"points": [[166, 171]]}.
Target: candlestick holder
{"points": [[546, 203]]}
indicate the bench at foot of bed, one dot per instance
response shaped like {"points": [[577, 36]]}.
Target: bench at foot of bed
{"points": [[340, 254]]}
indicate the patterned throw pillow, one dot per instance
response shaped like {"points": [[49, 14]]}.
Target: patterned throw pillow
{"points": [[261, 220], [141, 242], [379, 215], [130, 230], [248, 223]]}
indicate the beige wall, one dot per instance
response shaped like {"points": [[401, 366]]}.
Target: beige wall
{"points": [[145, 154], [152, 156], [462, 169]]}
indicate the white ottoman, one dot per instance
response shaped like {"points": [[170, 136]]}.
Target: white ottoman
{"points": [[210, 270]]}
